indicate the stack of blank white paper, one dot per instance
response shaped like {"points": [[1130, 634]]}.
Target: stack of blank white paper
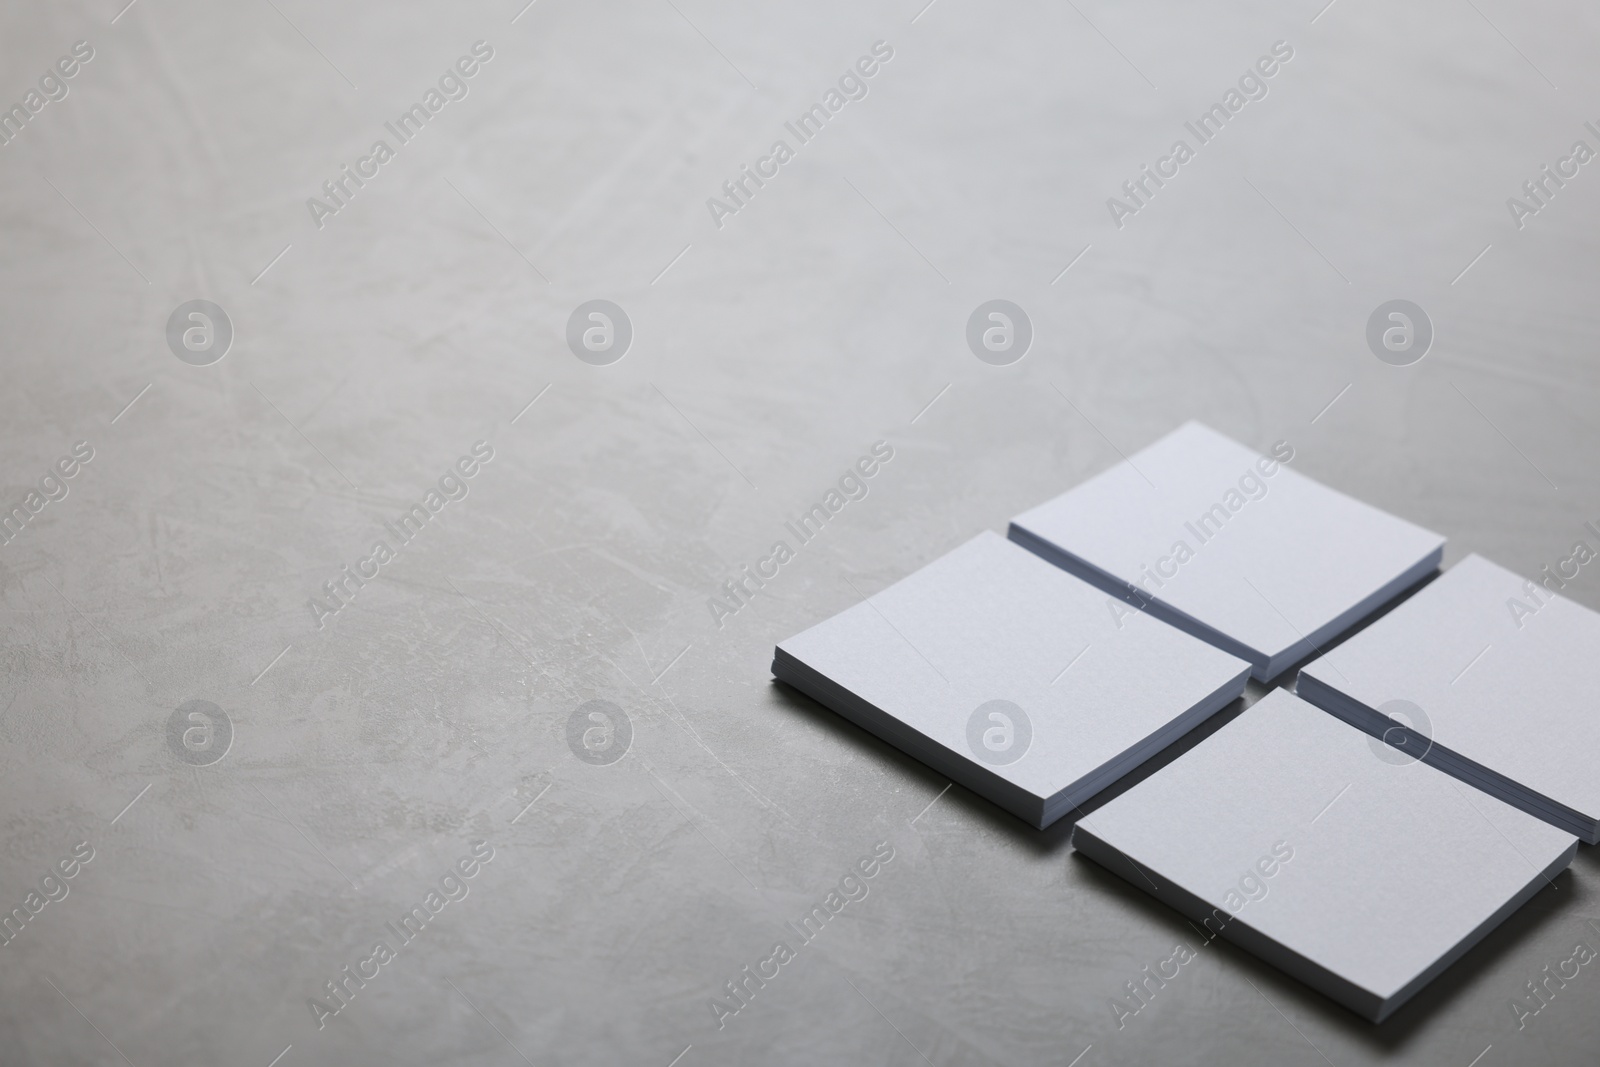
{"points": [[1010, 676], [1506, 675], [1287, 834], [1231, 546]]}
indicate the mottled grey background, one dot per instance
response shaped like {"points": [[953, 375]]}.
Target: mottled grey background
{"points": [[766, 357]]}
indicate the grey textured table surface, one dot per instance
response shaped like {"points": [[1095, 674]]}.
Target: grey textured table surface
{"points": [[372, 745]]}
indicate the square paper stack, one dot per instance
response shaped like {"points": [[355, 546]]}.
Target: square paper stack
{"points": [[1305, 842], [1011, 677], [1231, 546], [1487, 676]]}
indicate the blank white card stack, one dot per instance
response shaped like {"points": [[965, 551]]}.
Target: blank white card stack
{"points": [[1009, 676], [1496, 678], [1231, 546], [1287, 833]]}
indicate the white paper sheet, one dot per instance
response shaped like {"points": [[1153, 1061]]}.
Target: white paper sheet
{"points": [[1392, 871], [1231, 545], [992, 622]]}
